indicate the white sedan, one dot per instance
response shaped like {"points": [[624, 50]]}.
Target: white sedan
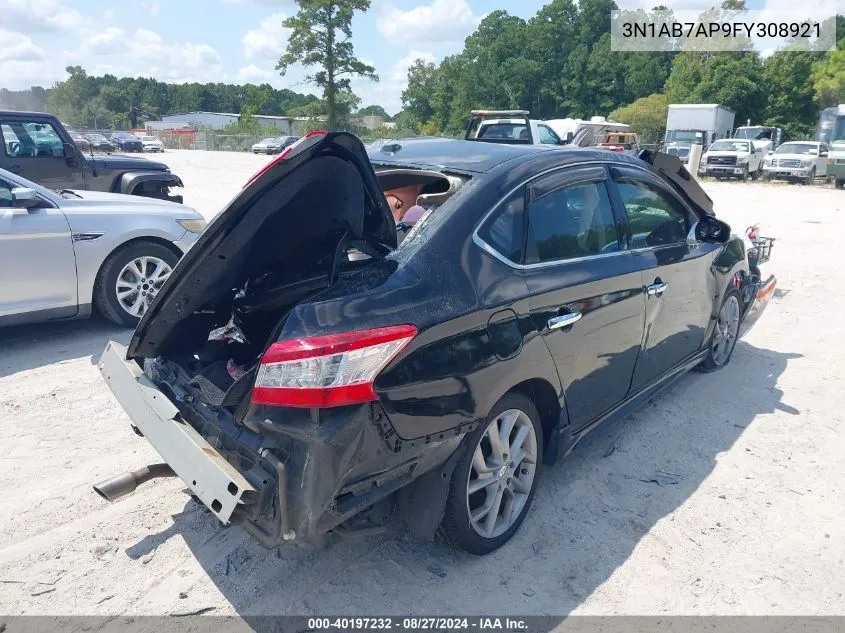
{"points": [[801, 161], [67, 252], [152, 144]]}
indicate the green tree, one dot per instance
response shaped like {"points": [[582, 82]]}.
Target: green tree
{"points": [[791, 100], [375, 110], [418, 96], [828, 77], [321, 39], [646, 115]]}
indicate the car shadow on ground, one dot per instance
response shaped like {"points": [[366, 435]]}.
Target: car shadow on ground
{"points": [[25, 347], [591, 511]]}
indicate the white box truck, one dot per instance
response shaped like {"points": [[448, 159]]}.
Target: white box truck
{"points": [[690, 124]]}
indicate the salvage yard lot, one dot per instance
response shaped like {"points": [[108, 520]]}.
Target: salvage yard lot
{"points": [[722, 496]]}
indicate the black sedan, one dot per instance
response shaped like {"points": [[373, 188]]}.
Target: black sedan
{"points": [[304, 372], [99, 143], [127, 142]]}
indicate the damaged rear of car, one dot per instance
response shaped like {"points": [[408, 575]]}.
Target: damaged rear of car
{"points": [[311, 367], [249, 366]]}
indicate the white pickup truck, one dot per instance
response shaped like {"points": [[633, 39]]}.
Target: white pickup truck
{"points": [[732, 158]]}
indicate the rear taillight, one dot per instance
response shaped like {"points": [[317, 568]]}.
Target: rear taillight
{"points": [[328, 371]]}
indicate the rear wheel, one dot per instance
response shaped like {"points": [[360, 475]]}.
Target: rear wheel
{"points": [[129, 280], [494, 482], [725, 333]]}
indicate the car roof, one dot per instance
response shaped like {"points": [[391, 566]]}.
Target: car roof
{"points": [[449, 154]]}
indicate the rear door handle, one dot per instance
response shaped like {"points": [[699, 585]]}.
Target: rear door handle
{"points": [[656, 289], [563, 320]]}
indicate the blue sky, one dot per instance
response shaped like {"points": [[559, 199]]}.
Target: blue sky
{"points": [[233, 41]]}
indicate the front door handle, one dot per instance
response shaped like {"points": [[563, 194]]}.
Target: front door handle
{"points": [[656, 289], [563, 320]]}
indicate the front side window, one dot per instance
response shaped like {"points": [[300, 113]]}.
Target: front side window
{"points": [[656, 219], [505, 231], [30, 139], [571, 222], [547, 137]]}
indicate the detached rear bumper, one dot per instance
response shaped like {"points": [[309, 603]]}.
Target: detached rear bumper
{"points": [[284, 473], [765, 291]]}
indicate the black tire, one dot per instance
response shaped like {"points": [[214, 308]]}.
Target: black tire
{"points": [[714, 361], [456, 527], [105, 294], [744, 175], [757, 173], [810, 177]]}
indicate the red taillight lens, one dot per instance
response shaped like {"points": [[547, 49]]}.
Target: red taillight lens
{"points": [[328, 371], [285, 153]]}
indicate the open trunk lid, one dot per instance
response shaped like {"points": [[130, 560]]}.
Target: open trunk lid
{"points": [[673, 169], [297, 209]]}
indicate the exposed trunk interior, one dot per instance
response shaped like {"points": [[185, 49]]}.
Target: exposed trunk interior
{"points": [[221, 344]]}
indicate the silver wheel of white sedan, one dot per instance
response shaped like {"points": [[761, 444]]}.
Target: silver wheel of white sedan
{"points": [[139, 281], [502, 473]]}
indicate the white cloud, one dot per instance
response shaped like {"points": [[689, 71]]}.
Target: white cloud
{"points": [[18, 47], [254, 75], [268, 40], [109, 41], [33, 16], [439, 21]]}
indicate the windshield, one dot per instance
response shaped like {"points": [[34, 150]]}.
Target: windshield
{"points": [[268, 140], [96, 137], [797, 148], [730, 146], [685, 136], [511, 131], [149, 138], [753, 133]]}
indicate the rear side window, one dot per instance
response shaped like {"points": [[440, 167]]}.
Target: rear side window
{"points": [[505, 229], [570, 222], [655, 217]]}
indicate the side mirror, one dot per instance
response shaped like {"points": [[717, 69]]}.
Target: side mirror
{"points": [[569, 137], [822, 154], [771, 151], [709, 229], [69, 150], [25, 198]]}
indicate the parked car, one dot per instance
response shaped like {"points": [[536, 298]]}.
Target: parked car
{"points": [[801, 161], [152, 144], [66, 251], [100, 143], [303, 370], [620, 142], [732, 158], [509, 126], [273, 145], [81, 142], [38, 147], [127, 142]]}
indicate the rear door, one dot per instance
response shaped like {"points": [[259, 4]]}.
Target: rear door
{"points": [[34, 149], [679, 286], [585, 289], [37, 260]]}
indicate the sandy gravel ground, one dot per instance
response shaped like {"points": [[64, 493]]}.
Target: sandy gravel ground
{"points": [[754, 525]]}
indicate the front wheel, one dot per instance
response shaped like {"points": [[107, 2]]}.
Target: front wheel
{"points": [[839, 184], [744, 175], [494, 482], [810, 177], [757, 173], [129, 280], [725, 334]]}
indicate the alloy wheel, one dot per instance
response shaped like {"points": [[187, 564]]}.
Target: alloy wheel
{"points": [[139, 282], [727, 326], [502, 474]]}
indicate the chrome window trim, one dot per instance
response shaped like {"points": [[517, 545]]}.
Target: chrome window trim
{"points": [[492, 251]]}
